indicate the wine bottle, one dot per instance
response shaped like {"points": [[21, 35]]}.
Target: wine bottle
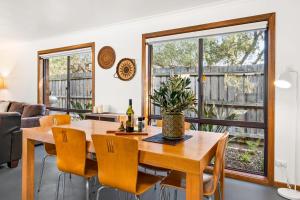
{"points": [[130, 118]]}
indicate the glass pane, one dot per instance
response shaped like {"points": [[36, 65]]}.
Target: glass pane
{"points": [[153, 122], [194, 126], [178, 57], [81, 81], [245, 150], [56, 86], [233, 76]]}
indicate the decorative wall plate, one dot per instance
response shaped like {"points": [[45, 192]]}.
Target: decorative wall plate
{"points": [[106, 57], [126, 69]]}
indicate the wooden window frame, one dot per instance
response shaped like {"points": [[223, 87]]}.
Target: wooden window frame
{"points": [[270, 18], [41, 77]]}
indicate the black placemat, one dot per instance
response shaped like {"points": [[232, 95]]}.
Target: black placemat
{"points": [[161, 140]]}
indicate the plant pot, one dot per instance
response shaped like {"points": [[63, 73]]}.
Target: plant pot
{"points": [[173, 126]]}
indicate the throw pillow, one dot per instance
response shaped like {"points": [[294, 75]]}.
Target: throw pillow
{"points": [[4, 106], [16, 107], [34, 110]]}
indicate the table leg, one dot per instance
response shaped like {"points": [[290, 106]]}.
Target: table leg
{"points": [[217, 193], [222, 179], [194, 186], [220, 188], [27, 169]]}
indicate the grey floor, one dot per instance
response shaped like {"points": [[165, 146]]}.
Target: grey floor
{"points": [[10, 186]]}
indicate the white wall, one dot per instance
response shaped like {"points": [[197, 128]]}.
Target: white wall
{"points": [[19, 62]]}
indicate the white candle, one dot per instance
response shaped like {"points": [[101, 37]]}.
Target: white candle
{"points": [[95, 109], [100, 108]]}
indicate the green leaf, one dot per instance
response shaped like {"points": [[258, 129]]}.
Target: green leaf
{"points": [[175, 95]]}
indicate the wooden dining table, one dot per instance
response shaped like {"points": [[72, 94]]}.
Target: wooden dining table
{"points": [[191, 156]]}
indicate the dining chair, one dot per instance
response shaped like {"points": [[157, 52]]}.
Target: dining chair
{"points": [[49, 121], [211, 182], [72, 156], [118, 159]]}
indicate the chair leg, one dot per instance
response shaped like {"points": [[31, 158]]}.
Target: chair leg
{"points": [[98, 192], [164, 194], [64, 185], [220, 192], [42, 171], [161, 192], [57, 188], [175, 194], [87, 189], [137, 197]]}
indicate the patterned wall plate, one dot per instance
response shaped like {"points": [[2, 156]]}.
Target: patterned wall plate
{"points": [[106, 57], [126, 69]]}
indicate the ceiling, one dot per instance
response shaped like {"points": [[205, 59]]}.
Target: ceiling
{"points": [[34, 19]]}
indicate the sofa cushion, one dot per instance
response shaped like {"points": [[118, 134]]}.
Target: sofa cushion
{"points": [[4, 106], [16, 107], [33, 110]]}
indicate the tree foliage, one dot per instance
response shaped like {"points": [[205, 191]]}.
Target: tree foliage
{"points": [[230, 49], [176, 53], [79, 63]]}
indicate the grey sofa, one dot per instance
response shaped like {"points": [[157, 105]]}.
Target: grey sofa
{"points": [[30, 114]]}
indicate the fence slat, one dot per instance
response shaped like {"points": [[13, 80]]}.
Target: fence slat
{"points": [[80, 88]]}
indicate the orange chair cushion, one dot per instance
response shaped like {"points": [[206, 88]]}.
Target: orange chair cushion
{"points": [[145, 182]]}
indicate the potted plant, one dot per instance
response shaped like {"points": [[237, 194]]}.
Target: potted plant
{"points": [[174, 97]]}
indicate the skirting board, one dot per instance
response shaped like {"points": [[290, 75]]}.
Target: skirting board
{"points": [[284, 185]]}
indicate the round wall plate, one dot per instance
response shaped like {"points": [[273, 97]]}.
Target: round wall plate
{"points": [[106, 57], [126, 69]]}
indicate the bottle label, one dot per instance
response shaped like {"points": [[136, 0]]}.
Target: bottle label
{"points": [[132, 121]]}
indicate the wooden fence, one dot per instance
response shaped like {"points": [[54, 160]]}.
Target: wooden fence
{"points": [[80, 88], [232, 89]]}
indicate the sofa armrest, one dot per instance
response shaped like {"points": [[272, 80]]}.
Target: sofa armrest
{"points": [[30, 122], [16, 145], [9, 123]]}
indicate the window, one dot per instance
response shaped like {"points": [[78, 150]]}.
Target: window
{"points": [[67, 79], [230, 73]]}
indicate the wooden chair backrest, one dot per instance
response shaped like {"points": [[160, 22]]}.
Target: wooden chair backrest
{"points": [[117, 161], [219, 160], [61, 120], [187, 125], [48, 121], [71, 150]]}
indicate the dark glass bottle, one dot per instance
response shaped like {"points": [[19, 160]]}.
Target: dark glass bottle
{"points": [[130, 118], [141, 124]]}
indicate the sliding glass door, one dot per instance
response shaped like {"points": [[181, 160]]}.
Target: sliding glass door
{"points": [[56, 82]]}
